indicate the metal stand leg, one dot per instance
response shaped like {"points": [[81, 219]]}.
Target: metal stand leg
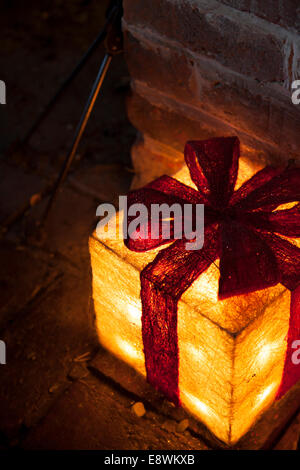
{"points": [[114, 13], [79, 131]]}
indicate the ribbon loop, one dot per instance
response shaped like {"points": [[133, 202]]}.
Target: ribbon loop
{"points": [[213, 166]]}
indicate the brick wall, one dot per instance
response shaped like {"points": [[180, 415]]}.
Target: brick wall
{"points": [[204, 68]]}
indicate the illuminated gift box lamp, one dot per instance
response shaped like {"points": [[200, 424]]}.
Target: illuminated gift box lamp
{"points": [[232, 352]]}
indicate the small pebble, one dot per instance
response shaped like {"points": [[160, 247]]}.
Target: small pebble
{"points": [[54, 388], [31, 356], [183, 425], [35, 198], [78, 371], [138, 409], [169, 426]]}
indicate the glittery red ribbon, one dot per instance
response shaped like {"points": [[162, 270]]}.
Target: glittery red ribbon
{"points": [[242, 228]]}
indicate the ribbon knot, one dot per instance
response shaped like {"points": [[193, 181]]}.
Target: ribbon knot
{"points": [[243, 230]]}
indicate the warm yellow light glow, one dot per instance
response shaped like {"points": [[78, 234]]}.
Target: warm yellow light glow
{"points": [[134, 314], [197, 354], [265, 352], [201, 410], [264, 395], [287, 205], [128, 349], [231, 352], [198, 404]]}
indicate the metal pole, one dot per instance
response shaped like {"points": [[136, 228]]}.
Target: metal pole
{"points": [[79, 131]]}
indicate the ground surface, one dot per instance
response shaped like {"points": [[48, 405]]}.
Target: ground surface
{"points": [[59, 389]]}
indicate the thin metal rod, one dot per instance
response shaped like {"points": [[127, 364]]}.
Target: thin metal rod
{"points": [[71, 77], [79, 131]]}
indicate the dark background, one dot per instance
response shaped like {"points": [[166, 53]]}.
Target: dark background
{"points": [[41, 42]]}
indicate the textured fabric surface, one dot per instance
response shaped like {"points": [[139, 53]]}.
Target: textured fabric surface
{"points": [[242, 229]]}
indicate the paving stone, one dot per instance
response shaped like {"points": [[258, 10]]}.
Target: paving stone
{"points": [[290, 439], [93, 415], [121, 373], [41, 347], [183, 425], [24, 275], [55, 335], [272, 424], [77, 371], [102, 182], [264, 434], [108, 368], [38, 58], [16, 188], [73, 215]]}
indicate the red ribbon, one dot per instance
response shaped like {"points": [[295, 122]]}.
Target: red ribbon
{"points": [[242, 229]]}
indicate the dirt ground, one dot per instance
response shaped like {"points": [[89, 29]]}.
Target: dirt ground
{"points": [[59, 389]]}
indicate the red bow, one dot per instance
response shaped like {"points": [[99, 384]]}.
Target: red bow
{"points": [[242, 229]]}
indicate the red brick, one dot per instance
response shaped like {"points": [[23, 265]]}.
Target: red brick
{"points": [[243, 5], [216, 31], [283, 12], [263, 112], [149, 163], [173, 124], [161, 67], [173, 129]]}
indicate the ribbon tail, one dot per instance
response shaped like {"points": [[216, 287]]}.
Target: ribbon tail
{"points": [[159, 329], [291, 370], [162, 284]]}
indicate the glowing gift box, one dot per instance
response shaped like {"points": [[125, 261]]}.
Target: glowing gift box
{"points": [[232, 352]]}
